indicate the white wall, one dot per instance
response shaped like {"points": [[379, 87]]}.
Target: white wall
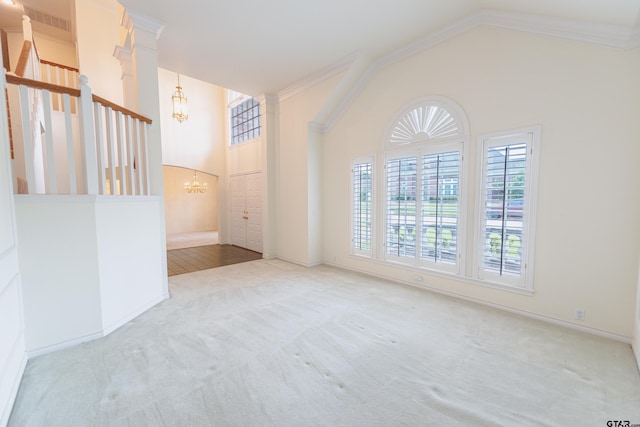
{"points": [[88, 264], [189, 212], [197, 143], [57, 51], [12, 346], [636, 334], [129, 263], [585, 98], [59, 267], [296, 180], [98, 33], [245, 157]]}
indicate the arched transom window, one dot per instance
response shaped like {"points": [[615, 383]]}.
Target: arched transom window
{"points": [[424, 122], [424, 189]]}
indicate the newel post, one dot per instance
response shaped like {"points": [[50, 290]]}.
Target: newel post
{"points": [[88, 137]]}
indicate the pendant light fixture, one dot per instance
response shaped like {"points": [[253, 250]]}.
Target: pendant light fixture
{"points": [[179, 101]]}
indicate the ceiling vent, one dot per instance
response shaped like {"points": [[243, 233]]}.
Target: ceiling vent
{"points": [[46, 19]]}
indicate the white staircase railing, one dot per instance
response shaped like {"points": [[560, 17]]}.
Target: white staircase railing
{"points": [[101, 150], [60, 75]]}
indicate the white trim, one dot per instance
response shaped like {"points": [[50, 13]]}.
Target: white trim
{"points": [[459, 143], [446, 103], [252, 172], [65, 344], [5, 412], [129, 317], [615, 36], [268, 99], [444, 274], [315, 127], [526, 279], [371, 160], [635, 347], [528, 314], [122, 54], [318, 77], [301, 264], [132, 19], [612, 36]]}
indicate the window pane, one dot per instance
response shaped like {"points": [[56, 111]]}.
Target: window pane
{"points": [[401, 206], [245, 121], [504, 194], [362, 209], [440, 179]]}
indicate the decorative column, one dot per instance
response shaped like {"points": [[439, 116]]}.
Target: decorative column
{"points": [[270, 136], [123, 54], [142, 35]]}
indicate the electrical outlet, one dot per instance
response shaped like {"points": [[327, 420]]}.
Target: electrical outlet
{"points": [[580, 314]]}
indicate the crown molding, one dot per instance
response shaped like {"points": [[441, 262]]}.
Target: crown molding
{"points": [[318, 77], [615, 36], [268, 99], [122, 54], [611, 36], [316, 127], [132, 19]]}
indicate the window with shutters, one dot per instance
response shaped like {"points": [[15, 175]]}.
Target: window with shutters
{"points": [[506, 207], [423, 194], [362, 207]]}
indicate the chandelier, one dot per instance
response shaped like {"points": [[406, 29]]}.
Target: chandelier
{"points": [[179, 102], [194, 186]]}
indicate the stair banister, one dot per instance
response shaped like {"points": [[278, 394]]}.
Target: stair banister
{"points": [[88, 135]]}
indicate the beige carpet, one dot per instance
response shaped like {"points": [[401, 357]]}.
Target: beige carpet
{"points": [[191, 240], [268, 343]]}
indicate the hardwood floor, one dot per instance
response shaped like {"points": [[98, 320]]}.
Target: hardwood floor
{"points": [[180, 261]]}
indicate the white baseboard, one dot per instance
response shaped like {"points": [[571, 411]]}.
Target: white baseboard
{"points": [[65, 344], [17, 366], [302, 264], [133, 315], [635, 346], [543, 318]]}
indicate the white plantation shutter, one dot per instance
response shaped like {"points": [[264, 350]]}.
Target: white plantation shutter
{"points": [[440, 183], [506, 206], [362, 208], [401, 206], [424, 186]]}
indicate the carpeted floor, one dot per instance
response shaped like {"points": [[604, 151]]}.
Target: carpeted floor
{"points": [[268, 343]]}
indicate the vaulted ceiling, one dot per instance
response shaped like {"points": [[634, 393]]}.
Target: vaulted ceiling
{"points": [[258, 46]]}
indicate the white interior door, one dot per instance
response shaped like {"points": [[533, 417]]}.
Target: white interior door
{"points": [[246, 211], [254, 211], [238, 209]]}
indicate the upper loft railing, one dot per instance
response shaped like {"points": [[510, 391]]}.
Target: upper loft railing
{"points": [[101, 150], [61, 75], [31, 66]]}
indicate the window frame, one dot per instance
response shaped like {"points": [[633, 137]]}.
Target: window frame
{"points": [[235, 99], [419, 150], [531, 136], [355, 250]]}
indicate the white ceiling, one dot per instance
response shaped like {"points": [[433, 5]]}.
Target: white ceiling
{"points": [[11, 16], [260, 46]]}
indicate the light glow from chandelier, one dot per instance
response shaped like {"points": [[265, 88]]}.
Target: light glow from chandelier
{"points": [[194, 186]]}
